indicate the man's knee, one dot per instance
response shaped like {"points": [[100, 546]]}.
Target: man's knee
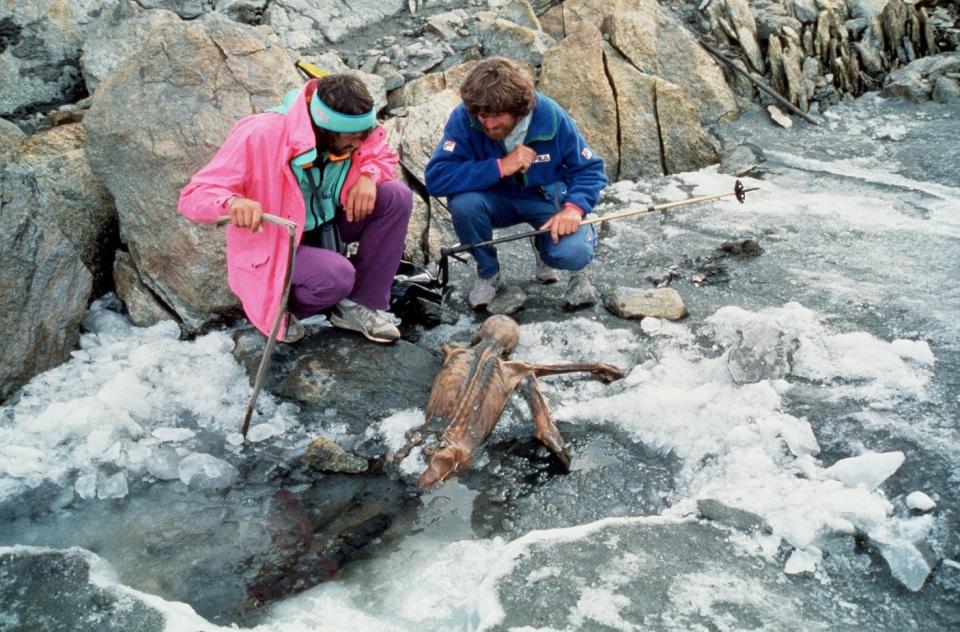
{"points": [[467, 204], [574, 252]]}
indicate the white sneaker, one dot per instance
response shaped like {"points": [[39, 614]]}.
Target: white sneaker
{"points": [[294, 332], [484, 290], [544, 274], [366, 321]]}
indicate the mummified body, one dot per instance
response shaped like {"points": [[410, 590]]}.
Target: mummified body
{"points": [[471, 391]]}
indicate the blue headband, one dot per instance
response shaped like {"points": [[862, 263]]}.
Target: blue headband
{"points": [[329, 119]]}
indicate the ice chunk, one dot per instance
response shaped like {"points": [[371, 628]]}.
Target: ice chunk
{"points": [[907, 563], [204, 471], [920, 501], [717, 511], [867, 470], [803, 561], [86, 485], [763, 353], [902, 544], [394, 428], [173, 434], [99, 321], [234, 439], [21, 461], [414, 463], [125, 392], [890, 131], [798, 436], [651, 326], [164, 463], [136, 453], [261, 432], [917, 350], [112, 486], [99, 441]]}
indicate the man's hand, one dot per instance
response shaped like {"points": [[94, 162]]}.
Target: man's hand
{"points": [[564, 222], [519, 159], [245, 213], [360, 199]]}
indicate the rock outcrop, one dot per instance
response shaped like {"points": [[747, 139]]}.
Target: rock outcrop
{"points": [[819, 53], [57, 241], [44, 288], [40, 43]]}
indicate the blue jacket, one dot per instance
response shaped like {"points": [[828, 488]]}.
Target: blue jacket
{"points": [[565, 169]]}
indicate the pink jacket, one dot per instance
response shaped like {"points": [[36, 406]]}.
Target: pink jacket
{"points": [[254, 163]]}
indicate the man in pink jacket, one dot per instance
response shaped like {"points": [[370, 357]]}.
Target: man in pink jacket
{"points": [[321, 161]]}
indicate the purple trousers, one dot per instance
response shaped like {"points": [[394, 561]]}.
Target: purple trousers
{"points": [[321, 278]]}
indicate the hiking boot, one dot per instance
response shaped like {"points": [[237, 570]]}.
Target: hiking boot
{"points": [[544, 274], [366, 321], [294, 332], [484, 290]]}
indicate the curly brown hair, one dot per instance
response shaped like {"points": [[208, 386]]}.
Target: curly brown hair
{"points": [[496, 85], [345, 94]]}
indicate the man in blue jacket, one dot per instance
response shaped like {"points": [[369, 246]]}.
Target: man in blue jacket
{"points": [[509, 155]]}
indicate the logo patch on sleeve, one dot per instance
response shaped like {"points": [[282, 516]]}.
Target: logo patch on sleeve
{"points": [[586, 153], [542, 158], [449, 145]]}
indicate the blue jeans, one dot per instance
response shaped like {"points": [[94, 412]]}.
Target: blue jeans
{"points": [[477, 213]]}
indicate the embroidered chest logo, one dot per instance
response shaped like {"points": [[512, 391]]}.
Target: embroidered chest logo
{"points": [[449, 145], [586, 153], [541, 158]]}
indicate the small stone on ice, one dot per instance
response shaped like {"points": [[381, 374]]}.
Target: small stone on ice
{"points": [[779, 117]]}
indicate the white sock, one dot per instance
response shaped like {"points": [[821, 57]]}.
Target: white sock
{"points": [[347, 302]]}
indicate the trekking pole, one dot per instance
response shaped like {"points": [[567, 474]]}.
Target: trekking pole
{"points": [[281, 308], [738, 191]]}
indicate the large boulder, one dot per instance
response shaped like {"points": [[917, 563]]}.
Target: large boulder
{"points": [[523, 44], [585, 93], [916, 81], [657, 43], [159, 117], [686, 146], [116, 35], [44, 287], [40, 43], [641, 124], [577, 13], [53, 165], [10, 137], [640, 151]]}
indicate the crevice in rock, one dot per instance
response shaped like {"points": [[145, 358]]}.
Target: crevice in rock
{"points": [[656, 117], [563, 19], [616, 104]]}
